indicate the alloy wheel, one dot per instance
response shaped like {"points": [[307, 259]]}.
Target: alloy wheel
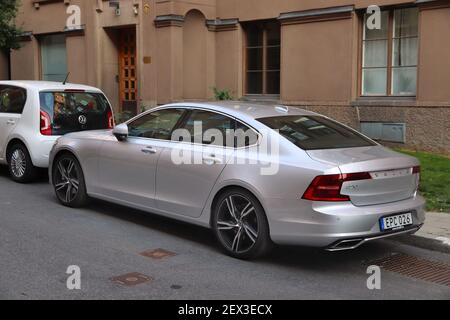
{"points": [[67, 181], [18, 163], [237, 223]]}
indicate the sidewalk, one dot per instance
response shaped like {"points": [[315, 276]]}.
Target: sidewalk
{"points": [[437, 227], [434, 235]]}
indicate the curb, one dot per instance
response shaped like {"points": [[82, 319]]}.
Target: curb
{"points": [[423, 242]]}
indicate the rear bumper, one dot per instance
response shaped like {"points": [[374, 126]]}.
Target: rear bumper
{"points": [[350, 244], [40, 150], [337, 226]]}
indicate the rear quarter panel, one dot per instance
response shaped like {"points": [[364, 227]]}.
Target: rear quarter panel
{"points": [[279, 193]]}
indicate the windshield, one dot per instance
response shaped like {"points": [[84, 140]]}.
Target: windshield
{"points": [[75, 111], [316, 132]]}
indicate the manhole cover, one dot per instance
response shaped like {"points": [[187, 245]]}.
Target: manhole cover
{"points": [[158, 254], [410, 266], [131, 279]]}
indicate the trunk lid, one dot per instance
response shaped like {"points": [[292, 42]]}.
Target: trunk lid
{"points": [[393, 176]]}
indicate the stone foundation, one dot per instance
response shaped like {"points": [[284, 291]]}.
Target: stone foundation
{"points": [[427, 128]]}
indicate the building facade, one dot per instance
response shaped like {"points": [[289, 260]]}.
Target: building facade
{"points": [[392, 82]]}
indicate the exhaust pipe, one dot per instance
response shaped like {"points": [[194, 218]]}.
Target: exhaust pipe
{"points": [[349, 244]]}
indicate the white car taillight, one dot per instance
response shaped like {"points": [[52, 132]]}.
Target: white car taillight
{"points": [[45, 124]]}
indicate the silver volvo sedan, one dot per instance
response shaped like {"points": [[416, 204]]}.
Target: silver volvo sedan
{"points": [[255, 174]]}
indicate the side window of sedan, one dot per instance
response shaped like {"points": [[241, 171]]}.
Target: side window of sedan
{"points": [[156, 125], [209, 128], [245, 136]]}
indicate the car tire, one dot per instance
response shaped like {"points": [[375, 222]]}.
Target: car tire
{"points": [[243, 234], [68, 181], [21, 168]]}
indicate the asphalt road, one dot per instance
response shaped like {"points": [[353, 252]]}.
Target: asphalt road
{"points": [[39, 239]]}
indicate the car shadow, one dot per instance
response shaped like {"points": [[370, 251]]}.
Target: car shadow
{"points": [[41, 174], [153, 221], [286, 256]]}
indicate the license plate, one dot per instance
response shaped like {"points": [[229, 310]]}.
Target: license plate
{"points": [[396, 222]]}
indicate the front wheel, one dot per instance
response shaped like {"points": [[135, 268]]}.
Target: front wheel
{"points": [[240, 225], [68, 181]]}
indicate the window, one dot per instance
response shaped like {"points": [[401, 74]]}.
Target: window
{"points": [[53, 58], [245, 136], [385, 131], [316, 132], [66, 112], [263, 47], [12, 99], [210, 128], [389, 62], [156, 125]]}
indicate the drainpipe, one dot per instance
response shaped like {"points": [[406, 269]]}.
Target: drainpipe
{"points": [[358, 117]]}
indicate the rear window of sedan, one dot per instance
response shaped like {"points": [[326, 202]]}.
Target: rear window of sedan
{"points": [[316, 132]]}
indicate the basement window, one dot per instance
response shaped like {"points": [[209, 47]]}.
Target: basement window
{"points": [[385, 131]]}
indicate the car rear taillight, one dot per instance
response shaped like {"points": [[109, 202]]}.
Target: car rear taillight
{"points": [[328, 187], [110, 120], [416, 170], [45, 124]]}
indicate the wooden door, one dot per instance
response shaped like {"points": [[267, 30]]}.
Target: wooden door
{"points": [[128, 71]]}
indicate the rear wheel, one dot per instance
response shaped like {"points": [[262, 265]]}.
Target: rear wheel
{"points": [[240, 225], [21, 168], [68, 181]]}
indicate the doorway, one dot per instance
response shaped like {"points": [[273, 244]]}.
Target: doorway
{"points": [[128, 90]]}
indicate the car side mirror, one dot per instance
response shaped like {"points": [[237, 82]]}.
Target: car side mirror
{"points": [[121, 132]]}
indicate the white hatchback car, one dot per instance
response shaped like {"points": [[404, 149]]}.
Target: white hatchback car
{"points": [[33, 114]]}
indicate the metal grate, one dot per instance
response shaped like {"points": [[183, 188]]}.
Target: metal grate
{"points": [[158, 254], [413, 267], [131, 279]]}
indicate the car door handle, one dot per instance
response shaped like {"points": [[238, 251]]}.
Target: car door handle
{"points": [[212, 159], [149, 150], [11, 122]]}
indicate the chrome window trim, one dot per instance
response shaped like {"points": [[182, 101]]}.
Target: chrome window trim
{"points": [[193, 143]]}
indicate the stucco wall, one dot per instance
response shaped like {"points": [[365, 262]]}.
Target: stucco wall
{"points": [[25, 62], [434, 55], [170, 61], [110, 66], [316, 61], [268, 9], [194, 69], [229, 62], [76, 59]]}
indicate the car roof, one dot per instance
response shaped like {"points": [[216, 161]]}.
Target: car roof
{"points": [[48, 85], [240, 109]]}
